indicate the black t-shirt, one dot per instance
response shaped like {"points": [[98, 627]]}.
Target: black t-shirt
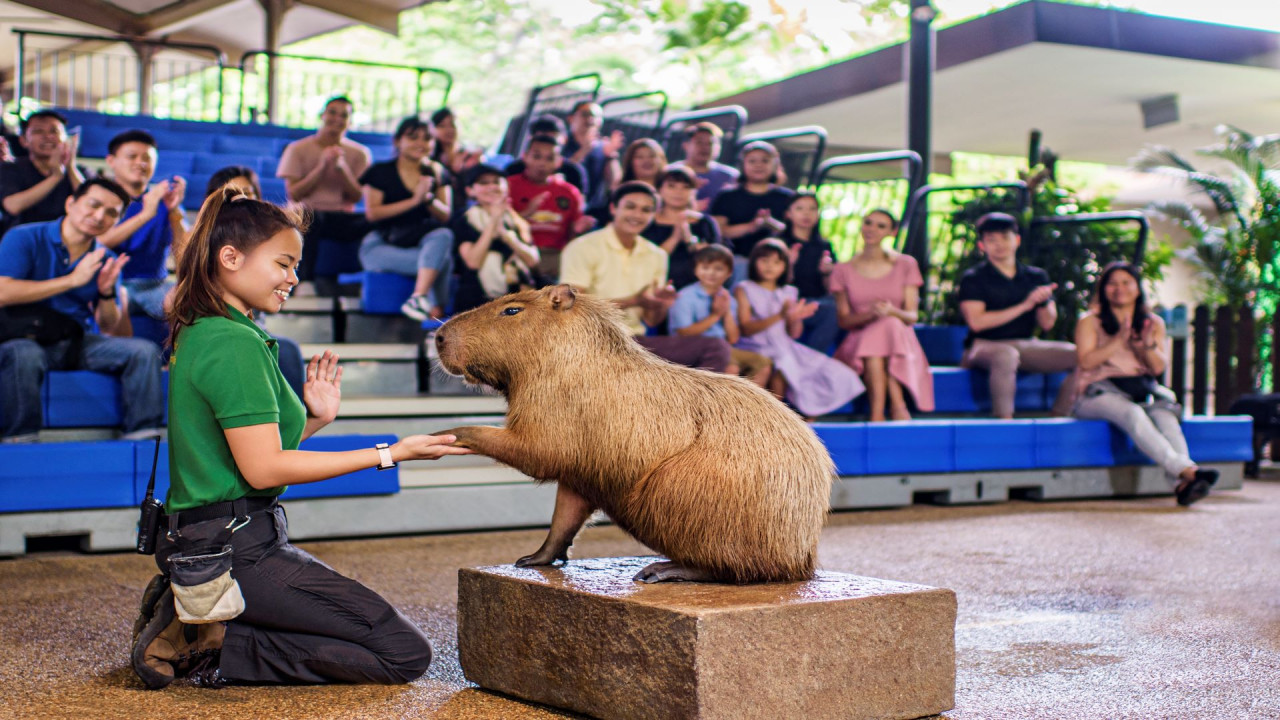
{"points": [[572, 172], [408, 227], [15, 145], [998, 291], [680, 262], [740, 206], [470, 293], [807, 274], [21, 174]]}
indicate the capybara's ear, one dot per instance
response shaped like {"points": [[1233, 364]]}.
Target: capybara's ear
{"points": [[562, 297]]}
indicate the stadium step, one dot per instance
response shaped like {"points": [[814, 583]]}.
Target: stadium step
{"points": [[373, 368]]}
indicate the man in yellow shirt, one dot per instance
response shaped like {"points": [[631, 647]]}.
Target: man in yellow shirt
{"points": [[617, 264]]}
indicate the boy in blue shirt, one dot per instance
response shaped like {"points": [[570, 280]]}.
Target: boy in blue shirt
{"points": [[707, 308], [152, 224], [59, 266]]}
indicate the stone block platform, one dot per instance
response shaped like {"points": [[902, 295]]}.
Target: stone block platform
{"points": [[587, 638]]}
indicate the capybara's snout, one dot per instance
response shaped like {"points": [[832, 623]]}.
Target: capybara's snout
{"points": [[447, 347]]}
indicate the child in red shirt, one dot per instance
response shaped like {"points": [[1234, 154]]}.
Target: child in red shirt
{"points": [[551, 206]]}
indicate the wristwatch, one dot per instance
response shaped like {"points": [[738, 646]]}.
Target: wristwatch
{"points": [[104, 296], [384, 456]]}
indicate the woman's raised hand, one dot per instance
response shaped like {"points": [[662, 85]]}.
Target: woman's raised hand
{"points": [[322, 391], [426, 447]]}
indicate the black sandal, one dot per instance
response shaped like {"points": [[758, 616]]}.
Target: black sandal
{"points": [[1197, 487]]}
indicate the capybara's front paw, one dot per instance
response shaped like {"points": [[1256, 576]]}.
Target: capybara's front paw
{"points": [[466, 436], [667, 571], [544, 557]]}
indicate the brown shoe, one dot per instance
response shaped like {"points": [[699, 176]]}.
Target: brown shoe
{"points": [[167, 648], [147, 609]]}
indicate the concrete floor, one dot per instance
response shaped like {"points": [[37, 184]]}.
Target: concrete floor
{"points": [[1099, 609]]}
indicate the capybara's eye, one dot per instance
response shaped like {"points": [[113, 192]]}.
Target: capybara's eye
{"points": [[511, 310]]}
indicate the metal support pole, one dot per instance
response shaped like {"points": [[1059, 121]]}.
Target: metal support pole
{"points": [[920, 64], [275, 11], [145, 52]]}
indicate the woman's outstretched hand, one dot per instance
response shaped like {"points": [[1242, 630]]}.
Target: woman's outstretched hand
{"points": [[426, 447], [322, 392]]}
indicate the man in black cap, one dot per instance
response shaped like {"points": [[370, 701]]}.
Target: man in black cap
{"points": [[1003, 302]]}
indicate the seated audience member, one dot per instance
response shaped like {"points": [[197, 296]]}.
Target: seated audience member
{"points": [[551, 206], [812, 260], [494, 244], [152, 223], [1003, 302], [1121, 352], [771, 316], [572, 172], [409, 203], [244, 179], [679, 229], [701, 148], [446, 150], [706, 308], [599, 156], [877, 295], [10, 142], [756, 208], [58, 272], [618, 264], [36, 188], [322, 172], [644, 160]]}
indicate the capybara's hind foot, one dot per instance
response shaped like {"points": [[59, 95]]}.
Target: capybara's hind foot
{"points": [[544, 557], [667, 571]]}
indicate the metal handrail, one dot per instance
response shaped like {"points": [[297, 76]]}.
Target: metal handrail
{"points": [[1144, 225], [773, 136], [915, 169], [737, 112], [918, 197], [527, 118], [421, 71], [20, 78], [661, 110]]}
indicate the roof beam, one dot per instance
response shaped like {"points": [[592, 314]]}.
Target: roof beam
{"points": [[91, 12], [385, 19], [180, 11]]}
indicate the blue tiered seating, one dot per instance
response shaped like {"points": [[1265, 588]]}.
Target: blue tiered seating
{"points": [[81, 475]]}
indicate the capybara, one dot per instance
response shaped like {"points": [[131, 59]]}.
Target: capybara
{"points": [[709, 470]]}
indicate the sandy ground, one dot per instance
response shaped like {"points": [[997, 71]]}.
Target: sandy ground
{"points": [[1099, 609]]}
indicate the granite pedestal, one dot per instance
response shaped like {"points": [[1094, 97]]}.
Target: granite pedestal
{"points": [[587, 638]]}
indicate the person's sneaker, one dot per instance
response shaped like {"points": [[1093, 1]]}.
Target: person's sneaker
{"points": [[206, 671], [1197, 488], [417, 307], [147, 609]]}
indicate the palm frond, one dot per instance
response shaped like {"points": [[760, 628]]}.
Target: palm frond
{"points": [[1183, 213], [1160, 157]]}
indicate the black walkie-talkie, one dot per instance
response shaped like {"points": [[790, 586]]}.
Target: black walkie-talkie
{"points": [[152, 509]]}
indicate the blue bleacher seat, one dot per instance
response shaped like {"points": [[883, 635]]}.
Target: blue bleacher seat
{"points": [[196, 183], [82, 118], [174, 162], [267, 165], [381, 293], [80, 398], [1066, 442], [135, 122], [942, 344], [847, 444], [1225, 438], [272, 131], [273, 189], [363, 482], [919, 446], [1029, 392], [1052, 384], [244, 145], [194, 142], [953, 390], [94, 140], [994, 444], [213, 162], [67, 476]]}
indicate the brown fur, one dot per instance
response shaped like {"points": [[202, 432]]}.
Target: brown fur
{"points": [[707, 469]]}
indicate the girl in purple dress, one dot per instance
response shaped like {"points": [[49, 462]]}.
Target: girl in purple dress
{"points": [[771, 316]]}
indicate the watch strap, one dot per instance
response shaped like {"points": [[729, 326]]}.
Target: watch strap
{"points": [[385, 462]]}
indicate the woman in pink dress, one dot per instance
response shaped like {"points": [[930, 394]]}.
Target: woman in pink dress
{"points": [[877, 292], [771, 316]]}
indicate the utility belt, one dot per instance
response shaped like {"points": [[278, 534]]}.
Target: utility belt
{"points": [[227, 509]]}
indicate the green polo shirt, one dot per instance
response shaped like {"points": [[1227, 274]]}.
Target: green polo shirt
{"points": [[225, 373]]}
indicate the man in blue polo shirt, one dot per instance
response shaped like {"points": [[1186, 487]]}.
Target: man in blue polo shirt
{"points": [[61, 266], [151, 225]]}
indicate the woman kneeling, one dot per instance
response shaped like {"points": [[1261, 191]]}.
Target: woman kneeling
{"points": [[1121, 352], [234, 430]]}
